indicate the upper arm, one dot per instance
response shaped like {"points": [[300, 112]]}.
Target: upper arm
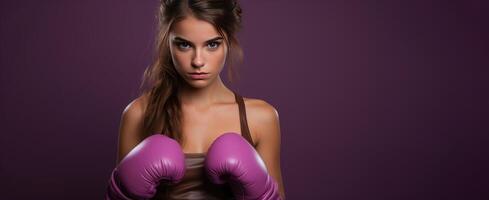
{"points": [[130, 129], [268, 146]]}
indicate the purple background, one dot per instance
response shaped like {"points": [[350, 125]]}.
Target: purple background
{"points": [[377, 100]]}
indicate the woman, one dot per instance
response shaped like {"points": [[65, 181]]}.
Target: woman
{"points": [[187, 101]]}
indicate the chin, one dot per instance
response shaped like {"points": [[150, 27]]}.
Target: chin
{"points": [[197, 84]]}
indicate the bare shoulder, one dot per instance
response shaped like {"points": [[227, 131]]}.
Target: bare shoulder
{"points": [[262, 116], [136, 108], [260, 109], [131, 125], [132, 118]]}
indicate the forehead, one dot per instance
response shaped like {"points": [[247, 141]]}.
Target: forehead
{"points": [[194, 30]]}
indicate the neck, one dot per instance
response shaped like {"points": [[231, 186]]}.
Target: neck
{"points": [[203, 97]]}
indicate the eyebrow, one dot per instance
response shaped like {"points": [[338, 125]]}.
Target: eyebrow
{"points": [[184, 40]]}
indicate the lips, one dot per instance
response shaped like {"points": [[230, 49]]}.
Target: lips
{"points": [[198, 75]]}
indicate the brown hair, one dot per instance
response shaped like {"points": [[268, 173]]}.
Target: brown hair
{"points": [[160, 79]]}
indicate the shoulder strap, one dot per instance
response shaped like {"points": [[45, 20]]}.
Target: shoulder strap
{"points": [[245, 131]]}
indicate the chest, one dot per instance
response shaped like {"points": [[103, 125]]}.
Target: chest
{"points": [[201, 127]]}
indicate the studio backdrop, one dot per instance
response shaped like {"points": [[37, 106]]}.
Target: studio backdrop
{"points": [[376, 99]]}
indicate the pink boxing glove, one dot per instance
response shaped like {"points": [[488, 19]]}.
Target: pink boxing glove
{"points": [[232, 159], [157, 159]]}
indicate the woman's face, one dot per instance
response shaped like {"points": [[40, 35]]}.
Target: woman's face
{"points": [[197, 47]]}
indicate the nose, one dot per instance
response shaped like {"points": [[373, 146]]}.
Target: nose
{"points": [[198, 60]]}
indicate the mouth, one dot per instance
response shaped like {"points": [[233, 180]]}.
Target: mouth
{"points": [[199, 75]]}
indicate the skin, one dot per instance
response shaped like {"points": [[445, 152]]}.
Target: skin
{"points": [[208, 106]]}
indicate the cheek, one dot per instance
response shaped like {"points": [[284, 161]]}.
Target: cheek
{"points": [[219, 58], [179, 60]]}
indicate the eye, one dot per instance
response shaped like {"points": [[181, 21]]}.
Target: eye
{"points": [[182, 45], [214, 45]]}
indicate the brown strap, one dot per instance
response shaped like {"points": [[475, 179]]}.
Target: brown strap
{"points": [[245, 131]]}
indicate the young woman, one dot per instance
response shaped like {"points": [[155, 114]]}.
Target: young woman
{"points": [[186, 100]]}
